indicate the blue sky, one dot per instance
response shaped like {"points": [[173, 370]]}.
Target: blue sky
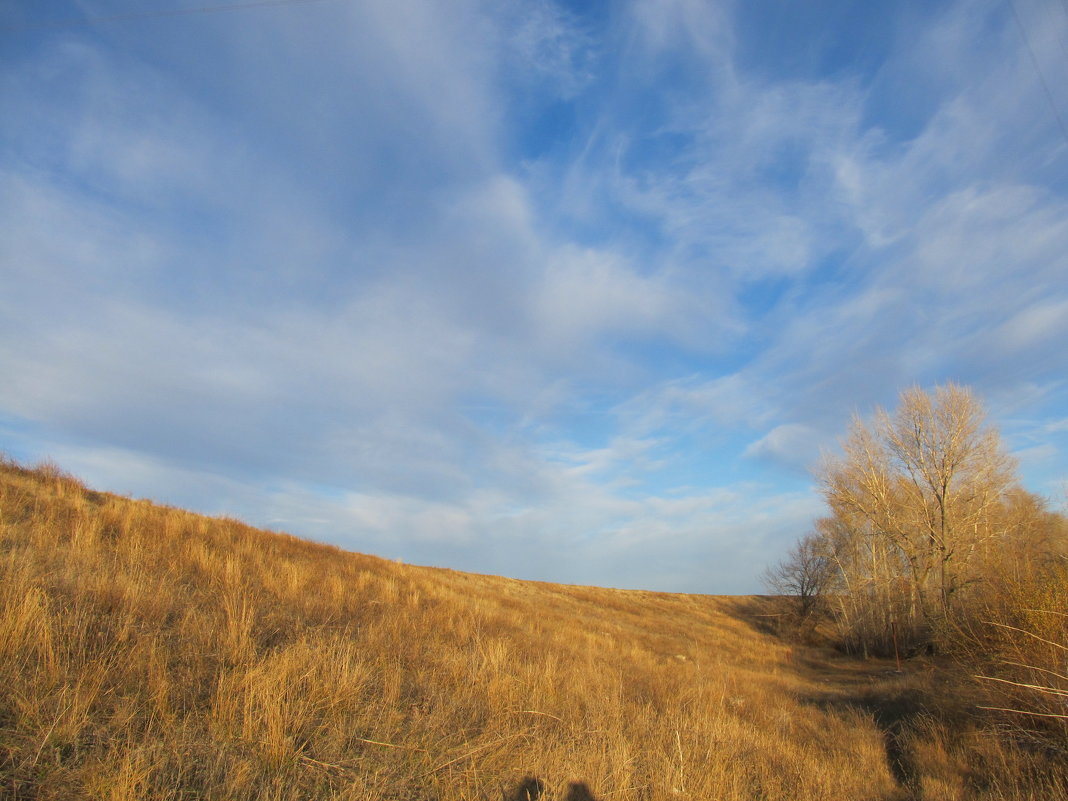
{"points": [[563, 292]]}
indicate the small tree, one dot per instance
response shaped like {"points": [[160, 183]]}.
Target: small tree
{"points": [[802, 577]]}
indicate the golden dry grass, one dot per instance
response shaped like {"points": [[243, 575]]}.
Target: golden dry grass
{"points": [[149, 653]]}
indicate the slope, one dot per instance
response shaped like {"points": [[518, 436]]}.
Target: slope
{"points": [[150, 653]]}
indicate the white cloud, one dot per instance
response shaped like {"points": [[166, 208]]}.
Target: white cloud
{"points": [[684, 403], [794, 445], [548, 45], [681, 27], [585, 295], [1037, 455], [1034, 326]]}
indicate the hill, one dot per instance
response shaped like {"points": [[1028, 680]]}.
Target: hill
{"points": [[150, 653]]}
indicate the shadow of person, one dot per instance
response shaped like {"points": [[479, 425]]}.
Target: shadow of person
{"points": [[579, 791], [530, 788]]}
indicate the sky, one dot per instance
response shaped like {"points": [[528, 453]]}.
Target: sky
{"points": [[568, 292]]}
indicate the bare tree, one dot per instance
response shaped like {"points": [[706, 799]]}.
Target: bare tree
{"points": [[924, 483], [803, 576], [869, 590]]}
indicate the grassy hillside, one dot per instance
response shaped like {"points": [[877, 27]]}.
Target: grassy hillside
{"points": [[149, 653]]}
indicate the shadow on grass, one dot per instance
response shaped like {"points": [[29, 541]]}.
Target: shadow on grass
{"points": [[896, 716], [578, 791], [532, 788], [893, 700], [762, 613], [779, 617]]}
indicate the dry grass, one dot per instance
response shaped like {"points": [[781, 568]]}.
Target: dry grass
{"points": [[149, 653], [1016, 644]]}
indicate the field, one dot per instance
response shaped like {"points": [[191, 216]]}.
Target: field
{"points": [[150, 653]]}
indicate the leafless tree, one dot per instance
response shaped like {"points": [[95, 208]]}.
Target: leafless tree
{"points": [[803, 576], [923, 483], [869, 591]]}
